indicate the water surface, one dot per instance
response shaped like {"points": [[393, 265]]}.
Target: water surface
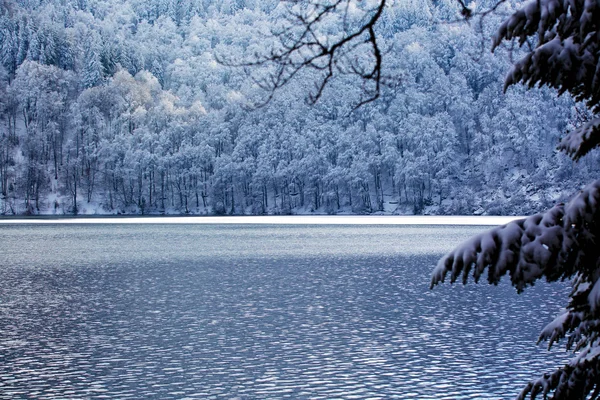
{"points": [[258, 311]]}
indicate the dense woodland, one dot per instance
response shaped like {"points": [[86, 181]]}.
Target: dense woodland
{"points": [[110, 106]]}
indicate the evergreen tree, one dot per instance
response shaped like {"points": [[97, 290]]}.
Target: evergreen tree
{"points": [[92, 73], [392, 151], [561, 243], [9, 50], [33, 49], [158, 71], [23, 41]]}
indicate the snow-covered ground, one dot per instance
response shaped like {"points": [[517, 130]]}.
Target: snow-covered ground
{"points": [[289, 220]]}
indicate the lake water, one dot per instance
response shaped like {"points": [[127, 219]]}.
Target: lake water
{"points": [[258, 311]]}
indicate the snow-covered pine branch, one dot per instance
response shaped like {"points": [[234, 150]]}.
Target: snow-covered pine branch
{"points": [[565, 57], [558, 244], [561, 243], [581, 140], [566, 52]]}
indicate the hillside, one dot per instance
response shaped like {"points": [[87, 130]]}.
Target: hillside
{"points": [[121, 107]]}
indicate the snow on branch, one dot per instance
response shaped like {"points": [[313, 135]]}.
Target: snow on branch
{"points": [[574, 381], [567, 49], [558, 244], [547, 245], [581, 140]]}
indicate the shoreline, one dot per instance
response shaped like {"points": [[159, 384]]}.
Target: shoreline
{"points": [[471, 220]]}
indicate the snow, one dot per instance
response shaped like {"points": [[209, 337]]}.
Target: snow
{"points": [[579, 141], [594, 296], [555, 329], [559, 244], [294, 220], [529, 248], [447, 143]]}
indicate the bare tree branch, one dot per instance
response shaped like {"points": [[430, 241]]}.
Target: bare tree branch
{"points": [[301, 44]]}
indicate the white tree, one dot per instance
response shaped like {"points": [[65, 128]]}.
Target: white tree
{"points": [[92, 73], [284, 157], [42, 92]]}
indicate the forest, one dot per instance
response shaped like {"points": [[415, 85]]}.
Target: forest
{"points": [[125, 107]]}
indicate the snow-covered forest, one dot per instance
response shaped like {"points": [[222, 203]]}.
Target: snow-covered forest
{"points": [[111, 106]]}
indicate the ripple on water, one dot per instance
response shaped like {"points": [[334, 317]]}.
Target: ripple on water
{"points": [[176, 312]]}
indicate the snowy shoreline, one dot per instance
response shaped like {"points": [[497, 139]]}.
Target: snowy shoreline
{"points": [[275, 220]]}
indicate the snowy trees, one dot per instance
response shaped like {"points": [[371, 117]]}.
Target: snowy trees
{"points": [[305, 42], [42, 93], [561, 243], [149, 120]]}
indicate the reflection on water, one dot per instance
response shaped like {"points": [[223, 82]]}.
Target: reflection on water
{"points": [[181, 311]]}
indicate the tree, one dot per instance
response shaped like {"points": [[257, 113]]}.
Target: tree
{"points": [[561, 243], [304, 41], [438, 137], [43, 95], [92, 73]]}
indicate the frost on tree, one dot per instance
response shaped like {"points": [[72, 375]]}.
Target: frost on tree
{"points": [[561, 243], [81, 118], [565, 58]]}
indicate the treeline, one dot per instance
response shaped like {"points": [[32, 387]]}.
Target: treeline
{"points": [[121, 107]]}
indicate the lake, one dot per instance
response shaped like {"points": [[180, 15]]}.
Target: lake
{"points": [[258, 311]]}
